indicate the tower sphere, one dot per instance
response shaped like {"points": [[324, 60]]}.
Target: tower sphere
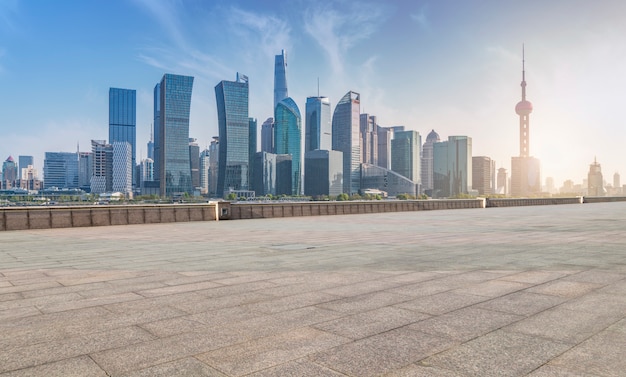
{"points": [[524, 107]]}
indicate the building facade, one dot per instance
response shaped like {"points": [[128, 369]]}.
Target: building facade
{"points": [[405, 154], [9, 173], [595, 182], [60, 169], [482, 175], [388, 181], [318, 126], [427, 162], [385, 135], [267, 136], [369, 139], [288, 139], [452, 167], [173, 154], [346, 139], [122, 168], [233, 123], [123, 119], [323, 173], [194, 163], [280, 78]]}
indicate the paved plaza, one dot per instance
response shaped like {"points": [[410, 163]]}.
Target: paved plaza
{"points": [[524, 291]]}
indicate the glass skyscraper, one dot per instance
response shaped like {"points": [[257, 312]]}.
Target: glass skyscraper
{"points": [[405, 154], [156, 149], [318, 134], [234, 134], [280, 78], [288, 139], [60, 169], [123, 119], [346, 138], [173, 140]]}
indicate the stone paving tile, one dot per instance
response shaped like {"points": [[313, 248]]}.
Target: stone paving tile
{"points": [[465, 324], [382, 353], [204, 304], [414, 370], [596, 276], [15, 358], [522, 303], [300, 368], [564, 325], [19, 312], [360, 303], [258, 354], [498, 354], [263, 287], [276, 305], [185, 367], [441, 303], [600, 303], [536, 277], [492, 288], [600, 355], [362, 288], [174, 289], [372, 322], [553, 371], [76, 367], [568, 289], [28, 287], [11, 296], [87, 302]]}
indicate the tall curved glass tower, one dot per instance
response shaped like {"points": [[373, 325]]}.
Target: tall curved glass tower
{"points": [[234, 134], [288, 139], [280, 78], [346, 138]]}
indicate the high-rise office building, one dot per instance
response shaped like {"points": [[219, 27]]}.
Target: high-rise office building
{"points": [[267, 136], [9, 173], [452, 167], [173, 140], [264, 179], [150, 146], [369, 139], [147, 170], [60, 169], [346, 139], [123, 119], [318, 126], [194, 163], [525, 170], [427, 162], [204, 172], [405, 154], [284, 172], [595, 184], [234, 133], [385, 135], [280, 78], [482, 174], [24, 162], [102, 168], [85, 170], [323, 172], [252, 136], [288, 139], [616, 182], [156, 149], [214, 156], [122, 168]]}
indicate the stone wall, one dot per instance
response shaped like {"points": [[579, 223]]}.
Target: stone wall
{"points": [[518, 202], [19, 218]]}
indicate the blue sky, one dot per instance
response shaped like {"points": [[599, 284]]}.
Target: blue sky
{"points": [[452, 66]]}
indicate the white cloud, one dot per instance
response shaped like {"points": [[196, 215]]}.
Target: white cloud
{"points": [[421, 17], [262, 34], [336, 30]]}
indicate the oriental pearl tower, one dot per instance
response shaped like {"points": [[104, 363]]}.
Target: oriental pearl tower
{"points": [[523, 109]]}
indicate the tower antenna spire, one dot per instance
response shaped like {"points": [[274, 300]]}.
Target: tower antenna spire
{"points": [[523, 74]]}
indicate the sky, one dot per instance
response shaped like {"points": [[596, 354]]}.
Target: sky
{"points": [[452, 66]]}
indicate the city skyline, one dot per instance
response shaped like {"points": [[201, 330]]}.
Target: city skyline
{"points": [[459, 76]]}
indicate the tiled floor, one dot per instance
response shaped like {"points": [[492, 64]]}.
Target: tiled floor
{"points": [[537, 291]]}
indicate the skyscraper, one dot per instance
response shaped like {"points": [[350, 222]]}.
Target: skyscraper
{"points": [[405, 154], [204, 172], [346, 139], [595, 184], [427, 162], [9, 173], [234, 133], [317, 124], [452, 166], [102, 168], [194, 162], [502, 182], [173, 141], [267, 136], [385, 135], [369, 139], [252, 136], [482, 174], [214, 156], [23, 162], [60, 169], [280, 78], [525, 170], [122, 169], [123, 119], [323, 172], [288, 139], [156, 149]]}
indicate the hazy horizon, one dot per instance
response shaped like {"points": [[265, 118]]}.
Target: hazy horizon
{"points": [[454, 67]]}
